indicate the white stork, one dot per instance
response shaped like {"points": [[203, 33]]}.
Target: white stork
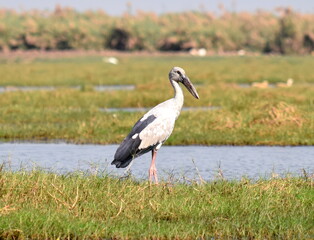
{"points": [[154, 128]]}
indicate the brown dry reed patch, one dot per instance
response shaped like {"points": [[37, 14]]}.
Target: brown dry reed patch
{"points": [[280, 114], [228, 122]]}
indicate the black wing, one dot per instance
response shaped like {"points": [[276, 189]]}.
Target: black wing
{"points": [[128, 149]]}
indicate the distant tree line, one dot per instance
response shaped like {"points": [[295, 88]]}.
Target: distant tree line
{"points": [[284, 31]]}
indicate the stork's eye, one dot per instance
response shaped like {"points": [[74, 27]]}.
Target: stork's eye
{"points": [[178, 72]]}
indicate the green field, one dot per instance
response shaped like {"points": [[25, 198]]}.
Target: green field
{"points": [[247, 116], [39, 205]]}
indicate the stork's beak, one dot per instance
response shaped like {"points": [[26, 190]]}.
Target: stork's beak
{"points": [[187, 83]]}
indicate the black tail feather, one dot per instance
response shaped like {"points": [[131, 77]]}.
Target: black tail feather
{"points": [[124, 162], [129, 148], [121, 164]]}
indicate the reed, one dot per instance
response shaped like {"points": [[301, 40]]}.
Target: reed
{"points": [[283, 31]]}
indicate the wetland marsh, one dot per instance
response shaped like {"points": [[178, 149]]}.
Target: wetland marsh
{"points": [[37, 203], [246, 116]]}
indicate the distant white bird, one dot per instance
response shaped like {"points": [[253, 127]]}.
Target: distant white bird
{"points": [[241, 52], [286, 84], [198, 52], [154, 128], [202, 52], [111, 60], [263, 84]]}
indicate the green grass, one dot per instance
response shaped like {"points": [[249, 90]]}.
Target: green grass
{"points": [[41, 205], [152, 69], [248, 116]]}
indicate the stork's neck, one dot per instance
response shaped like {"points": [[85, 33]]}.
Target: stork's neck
{"points": [[178, 94]]}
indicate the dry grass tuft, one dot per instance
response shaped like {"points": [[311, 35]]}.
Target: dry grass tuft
{"points": [[282, 114], [285, 114], [228, 123]]}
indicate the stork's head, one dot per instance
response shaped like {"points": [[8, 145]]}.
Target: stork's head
{"points": [[177, 74]]}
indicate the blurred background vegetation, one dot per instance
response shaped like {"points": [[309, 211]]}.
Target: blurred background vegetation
{"points": [[281, 32]]}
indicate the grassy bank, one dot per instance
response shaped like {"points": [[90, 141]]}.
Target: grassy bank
{"points": [[247, 116], [40, 205]]}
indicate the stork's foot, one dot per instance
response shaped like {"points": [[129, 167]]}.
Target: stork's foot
{"points": [[153, 174]]}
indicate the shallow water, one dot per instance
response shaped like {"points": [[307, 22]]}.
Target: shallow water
{"points": [[234, 162], [99, 88], [26, 88]]}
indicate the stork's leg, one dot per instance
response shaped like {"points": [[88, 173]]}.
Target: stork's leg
{"points": [[153, 169]]}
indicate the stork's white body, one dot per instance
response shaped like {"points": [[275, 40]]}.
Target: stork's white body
{"points": [[166, 114], [154, 128]]}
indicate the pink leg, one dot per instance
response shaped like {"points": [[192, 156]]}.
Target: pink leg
{"points": [[153, 169]]}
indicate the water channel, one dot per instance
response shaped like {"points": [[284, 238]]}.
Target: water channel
{"points": [[231, 162], [98, 88]]}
